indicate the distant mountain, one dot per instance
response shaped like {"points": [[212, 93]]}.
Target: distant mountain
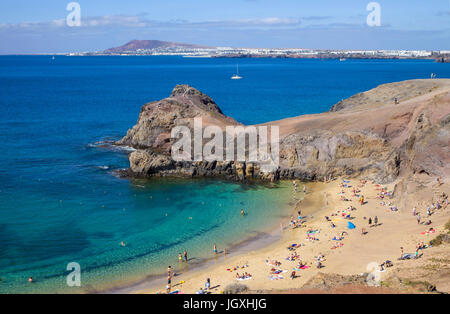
{"points": [[135, 45]]}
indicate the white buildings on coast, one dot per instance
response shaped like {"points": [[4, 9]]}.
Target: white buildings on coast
{"points": [[225, 52]]}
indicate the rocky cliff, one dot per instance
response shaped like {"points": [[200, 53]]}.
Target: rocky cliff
{"points": [[367, 135]]}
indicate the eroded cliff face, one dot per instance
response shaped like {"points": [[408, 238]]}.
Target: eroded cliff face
{"points": [[157, 119], [371, 137]]}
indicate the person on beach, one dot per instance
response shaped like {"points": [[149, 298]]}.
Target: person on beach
{"points": [[185, 256], [370, 220], [375, 221], [180, 258], [304, 188], [215, 249], [418, 219], [362, 199], [414, 211], [293, 276], [207, 284], [169, 270]]}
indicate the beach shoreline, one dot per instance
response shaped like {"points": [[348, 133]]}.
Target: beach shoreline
{"points": [[358, 252], [259, 241]]}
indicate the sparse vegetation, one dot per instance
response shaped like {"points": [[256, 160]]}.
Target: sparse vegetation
{"points": [[235, 288], [442, 238], [447, 226], [420, 285]]}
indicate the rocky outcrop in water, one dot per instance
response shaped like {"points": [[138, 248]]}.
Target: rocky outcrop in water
{"points": [[367, 135]]}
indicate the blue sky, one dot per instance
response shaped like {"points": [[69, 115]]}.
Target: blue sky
{"points": [[39, 26]]}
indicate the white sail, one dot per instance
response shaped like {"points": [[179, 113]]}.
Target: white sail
{"points": [[236, 76]]}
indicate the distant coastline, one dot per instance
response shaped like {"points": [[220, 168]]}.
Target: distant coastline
{"points": [[166, 48]]}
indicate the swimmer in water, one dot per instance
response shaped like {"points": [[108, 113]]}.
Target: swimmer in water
{"points": [[242, 212], [122, 243]]}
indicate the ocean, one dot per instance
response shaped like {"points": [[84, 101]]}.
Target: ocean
{"points": [[60, 201]]}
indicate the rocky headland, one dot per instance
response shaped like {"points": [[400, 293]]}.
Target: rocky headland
{"points": [[368, 135]]}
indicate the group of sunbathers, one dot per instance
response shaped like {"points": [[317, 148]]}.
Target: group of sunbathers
{"points": [[244, 276]]}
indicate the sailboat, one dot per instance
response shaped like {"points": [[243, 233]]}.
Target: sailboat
{"points": [[236, 76]]}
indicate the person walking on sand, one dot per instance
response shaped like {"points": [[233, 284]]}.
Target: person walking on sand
{"points": [[370, 220], [418, 218], [304, 188], [375, 221], [215, 249], [185, 256], [414, 211]]}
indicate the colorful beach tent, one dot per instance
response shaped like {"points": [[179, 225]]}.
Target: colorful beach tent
{"points": [[351, 226]]}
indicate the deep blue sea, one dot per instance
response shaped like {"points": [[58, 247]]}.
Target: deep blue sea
{"points": [[60, 201]]}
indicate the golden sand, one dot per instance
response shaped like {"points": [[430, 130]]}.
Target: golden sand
{"points": [[396, 229]]}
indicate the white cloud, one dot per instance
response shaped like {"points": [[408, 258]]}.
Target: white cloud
{"points": [[140, 21]]}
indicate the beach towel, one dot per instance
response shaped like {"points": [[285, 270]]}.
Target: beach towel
{"points": [[175, 292], [275, 277], [301, 268], [351, 225]]}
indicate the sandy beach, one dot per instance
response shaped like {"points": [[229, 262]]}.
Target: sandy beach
{"points": [[354, 254]]}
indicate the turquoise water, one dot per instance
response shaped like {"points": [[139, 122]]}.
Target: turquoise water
{"points": [[59, 199]]}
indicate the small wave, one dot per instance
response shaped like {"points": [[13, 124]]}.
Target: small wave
{"points": [[111, 146], [125, 148]]}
